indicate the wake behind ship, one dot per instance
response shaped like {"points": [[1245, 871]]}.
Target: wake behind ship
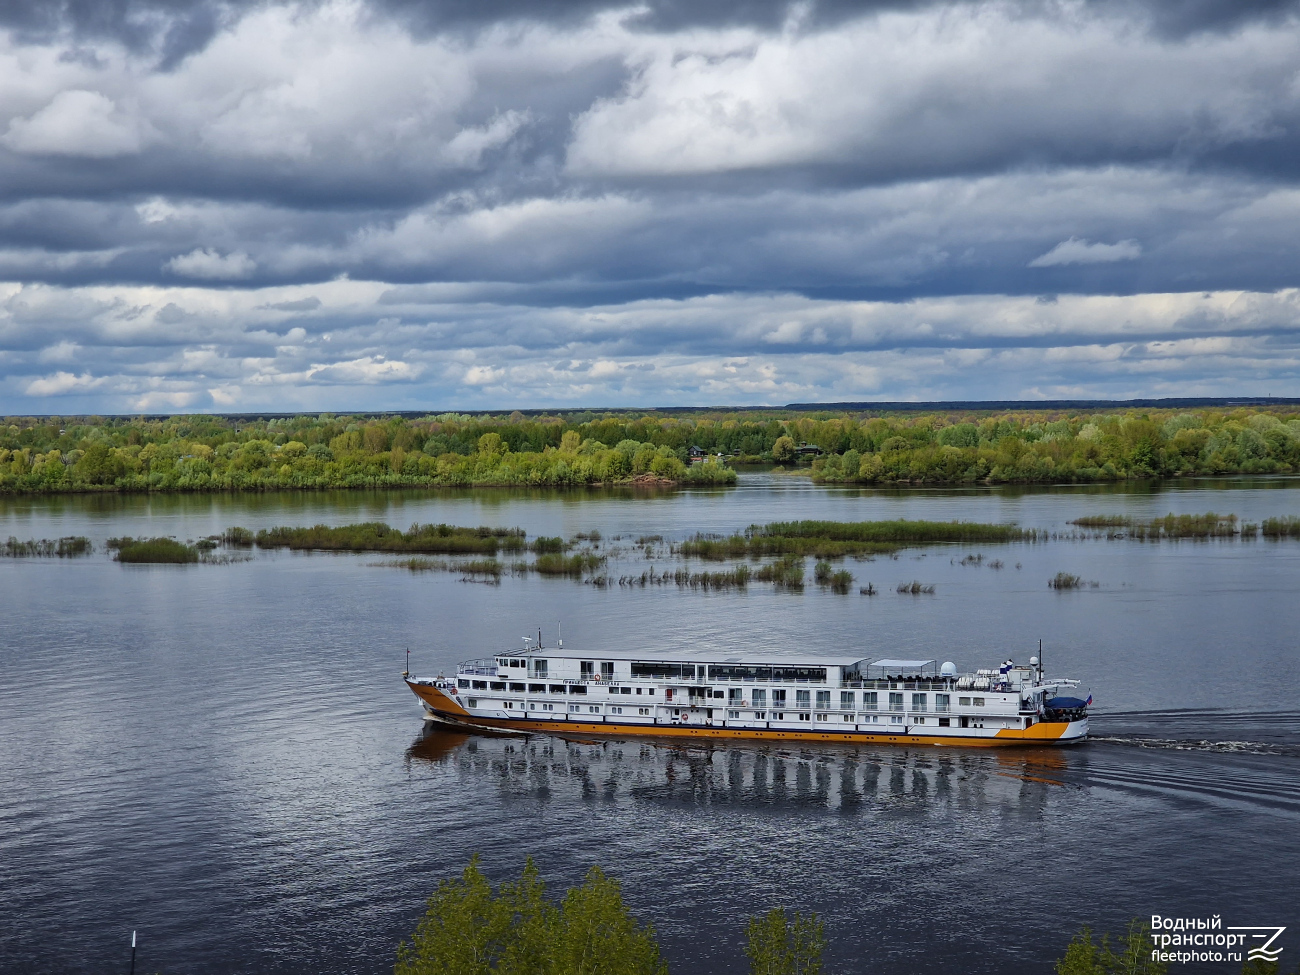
{"points": [[765, 697]]}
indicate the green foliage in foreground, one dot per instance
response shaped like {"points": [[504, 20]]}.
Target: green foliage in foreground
{"points": [[1128, 955], [471, 930], [780, 945], [374, 536], [153, 550]]}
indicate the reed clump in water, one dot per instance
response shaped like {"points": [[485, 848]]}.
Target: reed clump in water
{"points": [[785, 573], [375, 536], [835, 581], [737, 578], [1209, 525], [1103, 521], [68, 547], [1285, 527], [238, 537], [419, 563], [916, 588], [898, 532], [1066, 580], [567, 565], [837, 539], [153, 551]]}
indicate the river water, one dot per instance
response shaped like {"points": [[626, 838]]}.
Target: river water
{"points": [[224, 758]]}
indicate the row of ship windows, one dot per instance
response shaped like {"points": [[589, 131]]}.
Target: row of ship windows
{"points": [[848, 700], [659, 670], [758, 715], [516, 688], [573, 708], [757, 699], [849, 718]]}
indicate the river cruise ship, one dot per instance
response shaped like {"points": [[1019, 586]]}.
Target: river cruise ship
{"points": [[755, 696]]}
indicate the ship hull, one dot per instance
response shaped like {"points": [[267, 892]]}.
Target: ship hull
{"points": [[443, 709]]}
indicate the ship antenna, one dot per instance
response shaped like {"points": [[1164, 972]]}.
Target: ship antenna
{"points": [[539, 638], [1040, 658], [559, 636], [407, 671]]}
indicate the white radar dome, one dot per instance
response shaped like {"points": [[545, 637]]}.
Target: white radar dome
{"points": [[1033, 661], [949, 669]]}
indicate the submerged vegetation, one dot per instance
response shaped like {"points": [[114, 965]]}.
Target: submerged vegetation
{"points": [[567, 565], [915, 588], [836, 539], [834, 580], [786, 572], [213, 453], [1064, 580], [153, 550], [1288, 527], [1207, 525], [70, 546], [737, 578], [374, 536]]}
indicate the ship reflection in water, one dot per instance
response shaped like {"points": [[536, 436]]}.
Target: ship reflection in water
{"points": [[834, 778]]}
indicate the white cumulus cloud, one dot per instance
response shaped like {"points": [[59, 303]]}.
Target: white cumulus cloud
{"points": [[1079, 251], [211, 265], [61, 382], [77, 123]]}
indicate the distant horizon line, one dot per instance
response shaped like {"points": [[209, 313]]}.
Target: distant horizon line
{"points": [[860, 406]]}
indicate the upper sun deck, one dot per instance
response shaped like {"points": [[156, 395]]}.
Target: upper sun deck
{"points": [[657, 665], [695, 668], [758, 658]]}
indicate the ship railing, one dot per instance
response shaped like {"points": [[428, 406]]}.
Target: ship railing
{"points": [[745, 680], [898, 685], [870, 685], [478, 671]]}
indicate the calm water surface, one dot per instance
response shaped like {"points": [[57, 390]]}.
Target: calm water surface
{"points": [[224, 757]]}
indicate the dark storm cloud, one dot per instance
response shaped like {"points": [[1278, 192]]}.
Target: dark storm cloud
{"points": [[210, 205], [179, 27]]}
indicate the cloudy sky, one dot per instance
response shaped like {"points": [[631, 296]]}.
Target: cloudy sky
{"points": [[410, 204]]}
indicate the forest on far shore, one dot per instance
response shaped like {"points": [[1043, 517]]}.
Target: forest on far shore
{"points": [[214, 453]]}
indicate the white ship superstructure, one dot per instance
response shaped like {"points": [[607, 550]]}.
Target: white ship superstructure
{"points": [[758, 696]]}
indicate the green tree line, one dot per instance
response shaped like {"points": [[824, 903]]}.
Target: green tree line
{"points": [[199, 453], [470, 928], [215, 454], [1034, 448]]}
